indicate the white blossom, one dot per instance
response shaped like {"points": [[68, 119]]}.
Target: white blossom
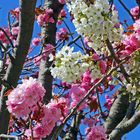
{"points": [[69, 65], [96, 21]]}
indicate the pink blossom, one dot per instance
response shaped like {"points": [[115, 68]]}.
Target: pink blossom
{"points": [[41, 19], [62, 13], [62, 1], [62, 34], [38, 132], [35, 41], [3, 38], [59, 22], [137, 25], [62, 105], [108, 102], [51, 20], [96, 133], [86, 81], [50, 115], [15, 30], [86, 77], [89, 122], [77, 93], [95, 57], [135, 12], [45, 17], [24, 98], [103, 66], [131, 44]]}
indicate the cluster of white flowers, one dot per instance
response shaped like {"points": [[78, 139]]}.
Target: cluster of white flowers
{"points": [[131, 88], [133, 69], [69, 65], [96, 21]]}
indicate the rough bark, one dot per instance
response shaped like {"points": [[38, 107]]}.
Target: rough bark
{"points": [[117, 112], [26, 22], [48, 34], [125, 127]]}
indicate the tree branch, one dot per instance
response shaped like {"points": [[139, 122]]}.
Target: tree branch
{"points": [[126, 127], [26, 22], [48, 34]]}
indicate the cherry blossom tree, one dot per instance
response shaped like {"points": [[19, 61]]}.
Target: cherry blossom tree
{"points": [[68, 82]]}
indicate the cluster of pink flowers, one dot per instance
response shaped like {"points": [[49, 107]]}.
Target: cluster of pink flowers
{"points": [[86, 81], [62, 34], [45, 17], [52, 113], [77, 93], [12, 35], [132, 41], [24, 98], [135, 12], [108, 102], [61, 16], [96, 133]]}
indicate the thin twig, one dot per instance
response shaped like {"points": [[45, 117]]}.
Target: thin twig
{"points": [[127, 10], [111, 50], [8, 137], [1, 29]]}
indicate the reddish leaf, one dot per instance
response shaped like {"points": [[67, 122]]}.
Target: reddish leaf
{"points": [[8, 92], [55, 97], [93, 105], [130, 27], [38, 11]]}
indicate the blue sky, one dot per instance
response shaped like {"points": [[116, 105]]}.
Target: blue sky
{"points": [[6, 5]]}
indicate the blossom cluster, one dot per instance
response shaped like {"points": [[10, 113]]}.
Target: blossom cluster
{"points": [[96, 133], [23, 99], [131, 46], [135, 12], [62, 34], [26, 101], [79, 90], [52, 112], [98, 24], [132, 41], [77, 93], [45, 17], [69, 65], [12, 35], [133, 69]]}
